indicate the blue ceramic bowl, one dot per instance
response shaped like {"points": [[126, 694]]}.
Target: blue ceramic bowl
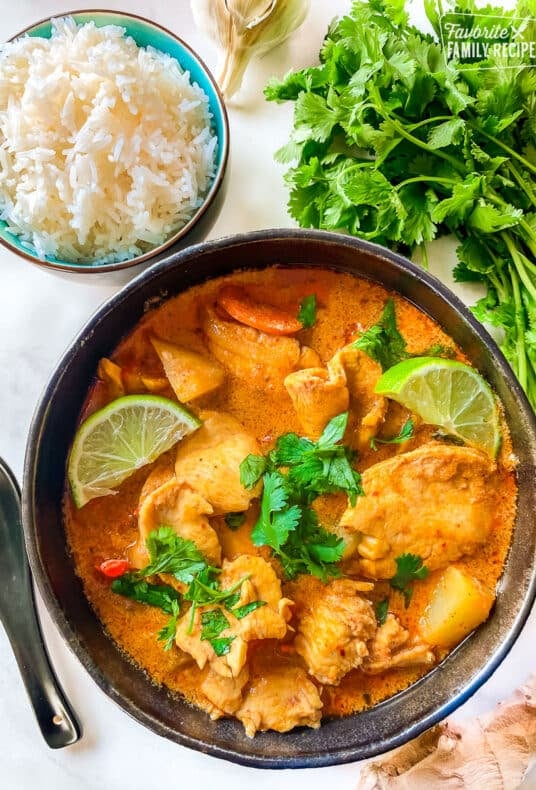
{"points": [[146, 33]]}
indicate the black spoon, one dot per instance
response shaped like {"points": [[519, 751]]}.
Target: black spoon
{"points": [[18, 614]]}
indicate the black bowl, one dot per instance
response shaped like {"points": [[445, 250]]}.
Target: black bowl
{"points": [[384, 726]]}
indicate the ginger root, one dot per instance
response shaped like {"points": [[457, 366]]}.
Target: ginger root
{"points": [[494, 751]]}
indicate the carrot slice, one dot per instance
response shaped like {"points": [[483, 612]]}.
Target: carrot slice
{"points": [[264, 317]]}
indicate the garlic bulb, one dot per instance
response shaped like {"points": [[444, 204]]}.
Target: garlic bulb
{"points": [[244, 28]]}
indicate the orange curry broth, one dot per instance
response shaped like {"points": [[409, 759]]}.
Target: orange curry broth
{"points": [[105, 527]]}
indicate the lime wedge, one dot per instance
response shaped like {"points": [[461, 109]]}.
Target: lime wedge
{"points": [[122, 437], [448, 394]]}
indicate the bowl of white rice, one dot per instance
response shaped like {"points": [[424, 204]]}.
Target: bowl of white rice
{"points": [[114, 141]]}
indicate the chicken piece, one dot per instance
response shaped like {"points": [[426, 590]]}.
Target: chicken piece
{"points": [[317, 397], [389, 649], [309, 358], [209, 461], [250, 354], [190, 374], [177, 505], [333, 633], [362, 373], [318, 394], [161, 473], [435, 502], [237, 541], [267, 622], [224, 693], [279, 699]]}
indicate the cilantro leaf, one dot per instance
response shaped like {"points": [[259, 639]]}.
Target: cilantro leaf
{"points": [[446, 133], [252, 469], [382, 341], [235, 520], [334, 431], [247, 608], [276, 519], [167, 633], [406, 433], [320, 467], [161, 596], [409, 568], [222, 644], [213, 622], [381, 609], [312, 549], [170, 553], [290, 449], [307, 311]]}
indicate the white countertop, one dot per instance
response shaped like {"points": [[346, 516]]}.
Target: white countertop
{"points": [[39, 314]]}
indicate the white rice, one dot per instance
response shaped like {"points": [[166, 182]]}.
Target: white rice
{"points": [[106, 148]]}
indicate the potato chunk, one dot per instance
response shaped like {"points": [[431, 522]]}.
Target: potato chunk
{"points": [[190, 374], [459, 603]]}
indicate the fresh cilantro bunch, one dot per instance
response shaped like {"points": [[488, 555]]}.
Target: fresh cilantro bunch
{"points": [[294, 474], [393, 143]]}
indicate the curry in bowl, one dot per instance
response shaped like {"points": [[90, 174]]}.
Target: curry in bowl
{"points": [[310, 546]]}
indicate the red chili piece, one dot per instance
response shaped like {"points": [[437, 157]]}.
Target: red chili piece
{"points": [[114, 568]]}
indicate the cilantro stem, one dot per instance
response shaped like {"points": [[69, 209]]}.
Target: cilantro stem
{"points": [[455, 163], [518, 263], [504, 147], [424, 255], [520, 326], [524, 185], [531, 241], [426, 179], [429, 120]]}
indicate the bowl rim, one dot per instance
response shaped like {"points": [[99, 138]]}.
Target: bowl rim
{"points": [[30, 515], [88, 268]]}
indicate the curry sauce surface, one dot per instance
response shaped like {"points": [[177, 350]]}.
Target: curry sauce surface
{"points": [[105, 527]]}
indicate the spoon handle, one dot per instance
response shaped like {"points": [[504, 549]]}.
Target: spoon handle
{"points": [[55, 717]]}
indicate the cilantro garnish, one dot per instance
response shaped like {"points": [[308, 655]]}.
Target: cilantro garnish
{"points": [[235, 520], [213, 622], [222, 644], [409, 568], [395, 142], [247, 608], [381, 609], [406, 433], [170, 553], [167, 633], [297, 471], [320, 467], [252, 469], [382, 341], [162, 596], [307, 311], [277, 517]]}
